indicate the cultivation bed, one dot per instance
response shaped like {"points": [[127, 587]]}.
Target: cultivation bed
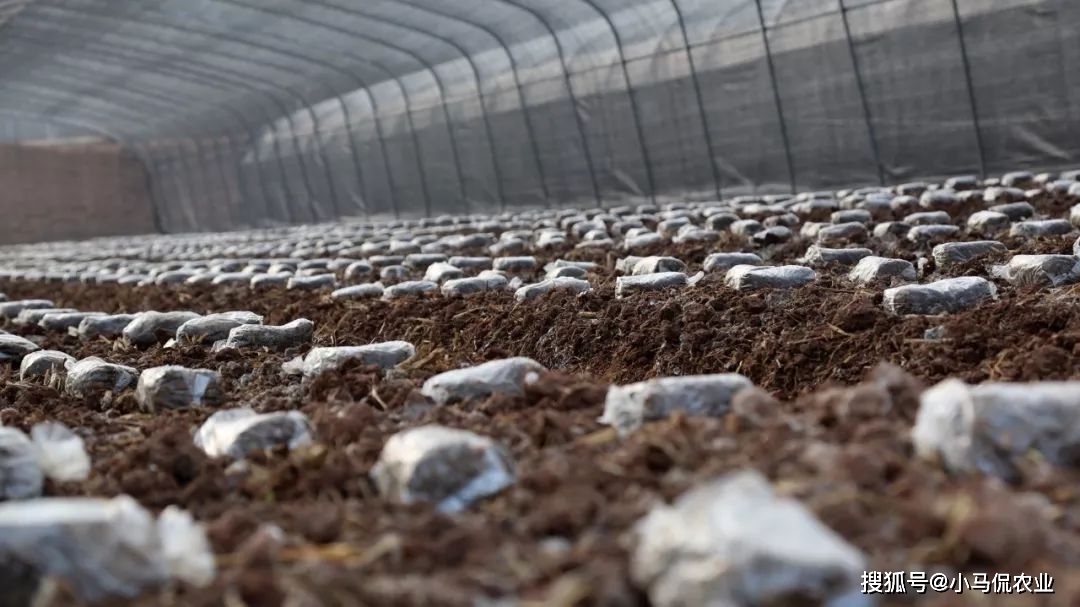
{"points": [[846, 375]]}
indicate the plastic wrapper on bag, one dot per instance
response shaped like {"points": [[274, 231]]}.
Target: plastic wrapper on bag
{"points": [[946, 296], [851, 216], [566, 272], [311, 283], [108, 327], [1015, 211], [21, 476], [1040, 270], [626, 264], [92, 377], [933, 233], [440, 272], [532, 291], [214, 327], [1041, 228], [61, 453], [657, 265], [506, 377], [14, 348], [872, 270], [627, 285], [102, 548], [358, 270], [11, 309], [445, 467], [952, 253], [514, 264], [819, 257], [283, 337], [470, 263], [891, 231], [410, 288], [385, 355], [771, 236], [422, 261], [176, 387], [33, 316], [362, 291], [628, 407], [834, 235], [751, 278], [990, 427], [63, 321], [233, 278], [237, 433], [43, 362], [988, 223], [642, 241], [150, 328], [733, 542], [722, 262], [462, 287], [173, 277]]}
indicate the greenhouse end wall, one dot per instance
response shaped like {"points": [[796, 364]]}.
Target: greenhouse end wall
{"points": [[58, 192]]}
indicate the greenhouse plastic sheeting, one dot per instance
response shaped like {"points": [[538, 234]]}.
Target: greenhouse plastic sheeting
{"points": [[260, 112]]}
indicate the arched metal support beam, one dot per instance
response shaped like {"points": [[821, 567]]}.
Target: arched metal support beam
{"points": [[586, 148], [776, 94], [526, 108], [705, 127], [870, 132], [485, 117], [634, 105]]}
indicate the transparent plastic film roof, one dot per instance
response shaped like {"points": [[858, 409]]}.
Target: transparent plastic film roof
{"points": [[265, 112]]}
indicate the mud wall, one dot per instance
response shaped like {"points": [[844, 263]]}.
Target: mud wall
{"points": [[56, 192]]}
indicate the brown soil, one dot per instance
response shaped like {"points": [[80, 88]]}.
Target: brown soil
{"points": [[560, 535]]}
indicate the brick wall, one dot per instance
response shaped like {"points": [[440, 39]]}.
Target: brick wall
{"points": [[71, 191]]}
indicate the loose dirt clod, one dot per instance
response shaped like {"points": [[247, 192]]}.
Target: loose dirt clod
{"points": [[733, 541], [507, 377], [628, 407], [446, 467], [176, 387], [238, 433]]}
